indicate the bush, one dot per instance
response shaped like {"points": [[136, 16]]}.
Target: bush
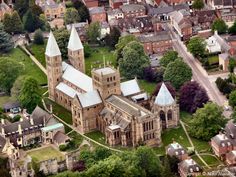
{"points": [[149, 74], [16, 118], [62, 147], [87, 50], [38, 37]]}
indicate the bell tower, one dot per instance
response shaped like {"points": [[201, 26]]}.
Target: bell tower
{"points": [[76, 51], [53, 65]]}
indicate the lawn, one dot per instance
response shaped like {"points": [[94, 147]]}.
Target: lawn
{"points": [[76, 137], [147, 86], [97, 136], [38, 51], [29, 68], [197, 160], [45, 154], [97, 58], [60, 111], [213, 59], [170, 135], [5, 99], [211, 160]]}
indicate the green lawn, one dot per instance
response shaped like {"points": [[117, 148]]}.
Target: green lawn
{"points": [[185, 117], [97, 136], [76, 137], [201, 146], [60, 111], [38, 51], [147, 86], [97, 58], [199, 162], [29, 68], [211, 160], [213, 59], [46, 154]]}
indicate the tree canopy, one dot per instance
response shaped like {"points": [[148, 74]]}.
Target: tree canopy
{"points": [[197, 46], [30, 95], [71, 16], [31, 21], [219, 25], [207, 122], [168, 57], [198, 4], [38, 37], [133, 60], [112, 39], [232, 98], [192, 96], [177, 73], [232, 29], [94, 32], [6, 42], [82, 10], [12, 23]]}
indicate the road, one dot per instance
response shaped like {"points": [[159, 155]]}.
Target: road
{"points": [[199, 73]]}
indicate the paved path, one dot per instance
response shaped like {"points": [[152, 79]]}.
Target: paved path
{"points": [[84, 136], [35, 60], [190, 141]]}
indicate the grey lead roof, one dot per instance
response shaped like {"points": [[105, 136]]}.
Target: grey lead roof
{"points": [[164, 97]]}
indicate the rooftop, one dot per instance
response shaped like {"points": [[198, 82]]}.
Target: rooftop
{"points": [[66, 89], [89, 99], [74, 41], [52, 127], [159, 36], [130, 87], [164, 97], [132, 7], [96, 10], [52, 48], [105, 71]]}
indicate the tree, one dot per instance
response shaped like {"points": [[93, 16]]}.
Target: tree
{"points": [[177, 73], [198, 4], [166, 170], [169, 87], [87, 50], [223, 85], [31, 21], [232, 98], [16, 88], [232, 29], [9, 71], [6, 43], [82, 10], [219, 25], [71, 16], [232, 64], [101, 153], [38, 37], [7, 23], [123, 41], [149, 74], [94, 32], [18, 25], [30, 94], [21, 6], [197, 46], [133, 61], [112, 39], [62, 37], [207, 122], [168, 57], [192, 96]]}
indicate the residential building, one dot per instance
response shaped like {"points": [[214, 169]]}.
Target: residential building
{"points": [[114, 14], [176, 2], [4, 9], [224, 61], [189, 167], [230, 158], [212, 45], [97, 14], [228, 15], [158, 42], [221, 4], [133, 10], [115, 4], [91, 3], [175, 149]]}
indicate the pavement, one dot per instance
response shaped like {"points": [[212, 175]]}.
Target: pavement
{"points": [[199, 73]]}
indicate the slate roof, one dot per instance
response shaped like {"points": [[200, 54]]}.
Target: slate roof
{"points": [[221, 140], [155, 37], [130, 87], [105, 71], [96, 10], [132, 7], [52, 48], [164, 97], [175, 149], [88, 99], [60, 137], [66, 89], [190, 166], [160, 10], [74, 41]]}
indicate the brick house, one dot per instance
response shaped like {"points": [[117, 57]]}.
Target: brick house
{"points": [[115, 4], [175, 149], [221, 4], [4, 8], [91, 3], [114, 14], [133, 10], [175, 2], [230, 158], [97, 14], [189, 167], [158, 42]]}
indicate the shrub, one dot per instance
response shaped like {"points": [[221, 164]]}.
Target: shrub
{"points": [[38, 37], [62, 147]]}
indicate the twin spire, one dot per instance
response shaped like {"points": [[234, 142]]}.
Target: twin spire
{"points": [[52, 48]]}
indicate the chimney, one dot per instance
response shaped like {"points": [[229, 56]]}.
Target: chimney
{"points": [[2, 122], [19, 129], [31, 121]]}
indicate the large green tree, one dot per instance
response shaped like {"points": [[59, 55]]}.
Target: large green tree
{"points": [[7, 23], [9, 71], [30, 95], [177, 73], [12, 23], [82, 10], [62, 37], [71, 16], [94, 32], [6, 42], [112, 39], [197, 46], [38, 37], [219, 25], [168, 57], [21, 6], [31, 21], [16, 88], [198, 4], [232, 29], [207, 122], [232, 98], [133, 60]]}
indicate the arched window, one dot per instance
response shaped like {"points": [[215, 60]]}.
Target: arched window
{"points": [[169, 115], [162, 115]]}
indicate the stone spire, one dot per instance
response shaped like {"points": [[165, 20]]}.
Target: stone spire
{"points": [[52, 48], [74, 41], [164, 97]]}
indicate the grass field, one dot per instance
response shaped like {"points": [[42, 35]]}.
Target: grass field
{"points": [[213, 59], [211, 160], [97, 58], [97, 136], [29, 68], [147, 86], [45, 154], [38, 51]]}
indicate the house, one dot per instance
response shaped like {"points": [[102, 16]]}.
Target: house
{"points": [[115, 4], [114, 14], [176, 2], [91, 3], [189, 167], [105, 29], [133, 10], [158, 42], [7, 107], [175, 149], [97, 14], [181, 23], [230, 158], [161, 13], [228, 15], [221, 145], [4, 9], [224, 61], [212, 45], [52, 10], [221, 4], [81, 29]]}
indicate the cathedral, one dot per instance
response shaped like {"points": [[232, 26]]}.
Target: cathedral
{"points": [[102, 102]]}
